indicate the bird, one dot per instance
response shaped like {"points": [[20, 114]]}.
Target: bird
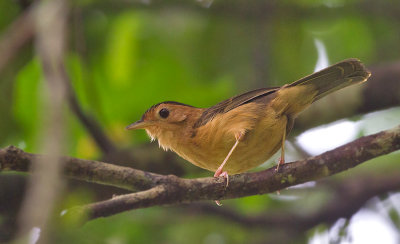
{"points": [[243, 131]]}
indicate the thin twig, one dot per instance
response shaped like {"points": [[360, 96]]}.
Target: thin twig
{"points": [[101, 139]]}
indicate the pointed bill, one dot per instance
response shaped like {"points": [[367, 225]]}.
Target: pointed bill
{"points": [[140, 124]]}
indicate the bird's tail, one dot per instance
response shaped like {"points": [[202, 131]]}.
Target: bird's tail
{"points": [[293, 98], [345, 73]]}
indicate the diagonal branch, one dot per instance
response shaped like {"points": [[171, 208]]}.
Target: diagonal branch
{"points": [[347, 198], [91, 125], [123, 203], [176, 190]]}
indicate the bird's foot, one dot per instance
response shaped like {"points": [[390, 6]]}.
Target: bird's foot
{"points": [[281, 162], [224, 174]]}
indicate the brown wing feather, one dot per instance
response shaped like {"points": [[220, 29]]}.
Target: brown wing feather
{"points": [[335, 77], [232, 103]]}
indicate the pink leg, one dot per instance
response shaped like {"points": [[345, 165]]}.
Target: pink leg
{"points": [[219, 171], [282, 159], [281, 162], [224, 174]]}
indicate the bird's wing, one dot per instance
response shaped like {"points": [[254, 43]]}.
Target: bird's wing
{"points": [[232, 103]]}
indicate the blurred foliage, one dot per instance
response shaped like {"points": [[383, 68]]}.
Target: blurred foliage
{"points": [[124, 58], [156, 226]]}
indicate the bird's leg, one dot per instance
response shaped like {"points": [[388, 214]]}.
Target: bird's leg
{"points": [[219, 171], [282, 159]]}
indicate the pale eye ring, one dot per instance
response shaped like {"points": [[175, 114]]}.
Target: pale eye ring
{"points": [[163, 113]]}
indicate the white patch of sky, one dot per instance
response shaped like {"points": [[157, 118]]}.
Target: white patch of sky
{"points": [[63, 212], [322, 61], [327, 137], [34, 235], [371, 227], [324, 138], [365, 227]]}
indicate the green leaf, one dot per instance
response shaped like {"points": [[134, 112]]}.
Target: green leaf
{"points": [[27, 102]]}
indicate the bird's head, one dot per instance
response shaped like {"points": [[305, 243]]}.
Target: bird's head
{"points": [[165, 120]]}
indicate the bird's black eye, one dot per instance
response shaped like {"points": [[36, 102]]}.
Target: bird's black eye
{"points": [[163, 113]]}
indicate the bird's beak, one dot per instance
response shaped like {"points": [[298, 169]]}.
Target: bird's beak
{"points": [[140, 124]]}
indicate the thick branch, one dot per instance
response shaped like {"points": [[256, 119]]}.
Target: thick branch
{"points": [[176, 190], [14, 159], [347, 198]]}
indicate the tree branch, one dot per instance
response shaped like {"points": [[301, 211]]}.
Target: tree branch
{"points": [[173, 190], [14, 159], [180, 191], [347, 198], [91, 125]]}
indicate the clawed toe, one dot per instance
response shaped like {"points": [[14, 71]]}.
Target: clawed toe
{"points": [[224, 174]]}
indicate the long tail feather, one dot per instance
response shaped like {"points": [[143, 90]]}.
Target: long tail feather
{"points": [[335, 77]]}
